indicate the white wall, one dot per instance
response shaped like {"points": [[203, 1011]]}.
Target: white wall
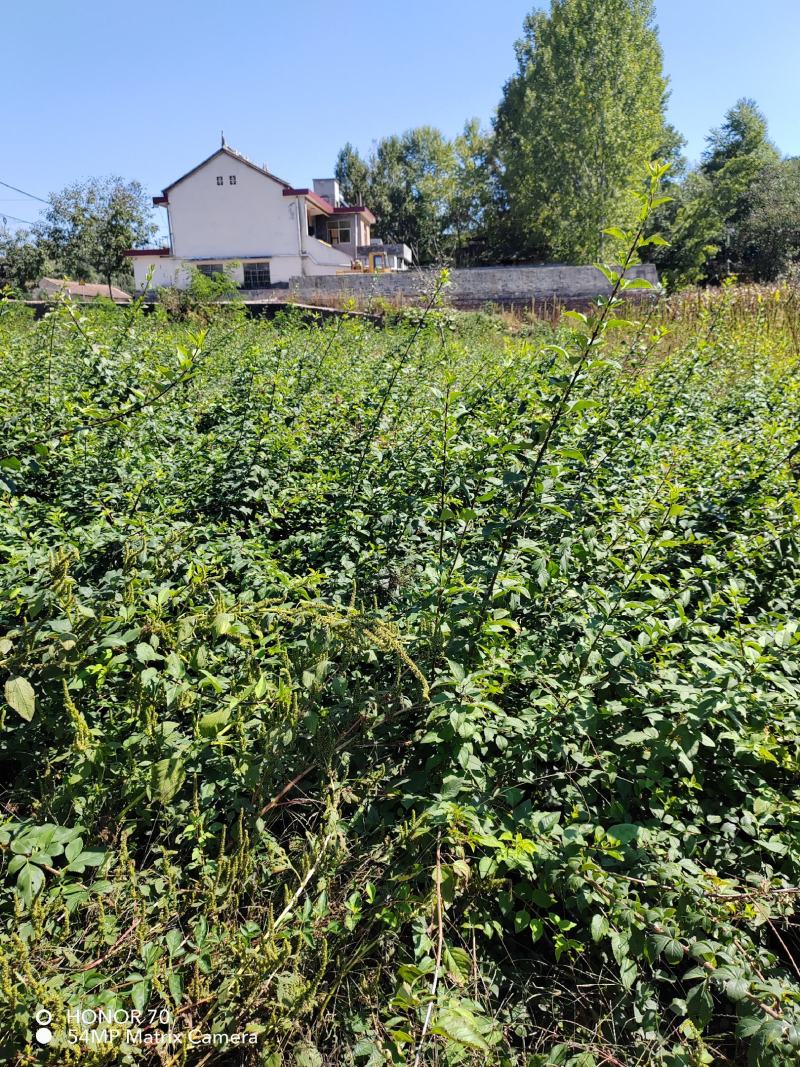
{"points": [[251, 219], [167, 270], [322, 258], [171, 271]]}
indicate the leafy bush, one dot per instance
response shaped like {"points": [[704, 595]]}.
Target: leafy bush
{"points": [[410, 695], [199, 301]]}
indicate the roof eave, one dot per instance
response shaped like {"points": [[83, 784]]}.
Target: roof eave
{"points": [[313, 198], [226, 151], [358, 209], [131, 252]]}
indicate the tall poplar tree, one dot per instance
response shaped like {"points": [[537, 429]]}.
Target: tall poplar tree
{"points": [[576, 126], [352, 174]]}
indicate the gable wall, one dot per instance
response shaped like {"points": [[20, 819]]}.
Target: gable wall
{"points": [[249, 219]]}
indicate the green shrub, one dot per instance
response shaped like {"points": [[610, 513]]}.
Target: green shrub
{"points": [[400, 694]]}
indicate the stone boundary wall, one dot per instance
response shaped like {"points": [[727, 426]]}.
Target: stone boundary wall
{"points": [[470, 286]]}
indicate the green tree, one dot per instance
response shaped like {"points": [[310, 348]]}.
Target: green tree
{"points": [[89, 226], [769, 235], [22, 260], [412, 182], [471, 192], [577, 124], [352, 173], [743, 136], [736, 156], [427, 191], [713, 208]]}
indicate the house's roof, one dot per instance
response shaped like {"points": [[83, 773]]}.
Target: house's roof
{"points": [[313, 197], [224, 151], [82, 289], [147, 252], [328, 208], [357, 209]]}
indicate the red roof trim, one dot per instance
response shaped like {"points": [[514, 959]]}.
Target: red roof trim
{"points": [[359, 209], [147, 252], [314, 198]]}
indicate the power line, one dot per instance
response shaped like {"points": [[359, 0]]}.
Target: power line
{"points": [[27, 222], [33, 196]]}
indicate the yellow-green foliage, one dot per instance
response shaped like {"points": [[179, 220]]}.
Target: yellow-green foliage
{"points": [[420, 694]]}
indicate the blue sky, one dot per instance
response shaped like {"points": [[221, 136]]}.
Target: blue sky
{"points": [[143, 91]]}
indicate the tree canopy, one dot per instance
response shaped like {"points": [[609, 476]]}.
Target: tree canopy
{"points": [[89, 226], [578, 123], [426, 190], [22, 260], [737, 213]]}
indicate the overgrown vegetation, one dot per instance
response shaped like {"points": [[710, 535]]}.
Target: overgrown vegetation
{"points": [[425, 695]]}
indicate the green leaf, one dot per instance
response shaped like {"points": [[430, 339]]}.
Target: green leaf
{"points": [[521, 920], [673, 950], [624, 832], [29, 881], [146, 653], [749, 1025], [628, 972], [459, 1024], [210, 725], [700, 1004], [86, 859], [736, 989], [21, 697], [599, 927], [174, 941], [175, 983], [140, 994], [307, 1055], [166, 778], [222, 623], [73, 849]]}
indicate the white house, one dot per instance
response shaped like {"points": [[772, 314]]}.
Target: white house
{"points": [[229, 211]]}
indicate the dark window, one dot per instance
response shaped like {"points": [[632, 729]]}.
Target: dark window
{"points": [[210, 269], [256, 276], [220, 180], [340, 233], [232, 179]]}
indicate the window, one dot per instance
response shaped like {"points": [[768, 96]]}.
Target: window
{"points": [[339, 233], [220, 180], [231, 179], [210, 269], [256, 276]]}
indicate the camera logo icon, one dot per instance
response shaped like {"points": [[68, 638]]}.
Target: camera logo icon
{"points": [[44, 1035]]}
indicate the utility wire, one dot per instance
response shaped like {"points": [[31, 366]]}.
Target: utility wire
{"points": [[24, 193], [5, 215]]}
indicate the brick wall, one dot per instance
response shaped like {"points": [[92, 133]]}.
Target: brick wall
{"points": [[472, 286]]}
